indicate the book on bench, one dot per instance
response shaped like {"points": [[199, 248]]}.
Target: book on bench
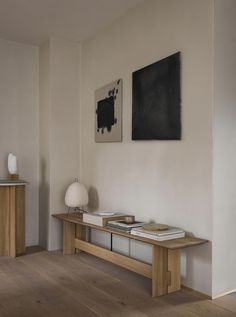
{"points": [[100, 218], [124, 226], [159, 235]]}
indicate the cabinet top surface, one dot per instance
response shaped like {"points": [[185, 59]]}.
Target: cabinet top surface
{"points": [[5, 182], [169, 244]]}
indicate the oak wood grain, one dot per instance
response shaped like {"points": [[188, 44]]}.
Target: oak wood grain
{"points": [[20, 220], [118, 259], [68, 238], [159, 271], [49, 284], [4, 220], [12, 221], [170, 244], [174, 269]]}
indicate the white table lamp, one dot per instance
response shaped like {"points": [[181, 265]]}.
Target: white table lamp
{"points": [[76, 197]]}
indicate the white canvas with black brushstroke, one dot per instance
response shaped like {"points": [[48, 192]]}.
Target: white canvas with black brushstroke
{"points": [[108, 112]]}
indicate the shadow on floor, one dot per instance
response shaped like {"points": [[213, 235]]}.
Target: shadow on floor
{"points": [[34, 249]]}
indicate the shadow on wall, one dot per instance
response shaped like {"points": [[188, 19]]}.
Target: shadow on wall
{"points": [[194, 258], [93, 198], [6, 165], [43, 205]]}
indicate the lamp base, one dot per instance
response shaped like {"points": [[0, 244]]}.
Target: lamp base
{"points": [[76, 209], [13, 177]]}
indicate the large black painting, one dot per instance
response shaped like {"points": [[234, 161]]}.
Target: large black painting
{"points": [[156, 101]]}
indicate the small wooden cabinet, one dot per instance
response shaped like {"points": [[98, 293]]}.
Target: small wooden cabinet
{"points": [[12, 218]]}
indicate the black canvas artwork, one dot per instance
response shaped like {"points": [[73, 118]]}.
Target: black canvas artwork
{"points": [[108, 110], [106, 114], [156, 105]]}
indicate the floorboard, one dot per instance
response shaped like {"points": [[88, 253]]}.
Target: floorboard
{"points": [[48, 284]]}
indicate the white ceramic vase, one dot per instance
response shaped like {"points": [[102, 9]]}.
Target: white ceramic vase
{"points": [[12, 163]]}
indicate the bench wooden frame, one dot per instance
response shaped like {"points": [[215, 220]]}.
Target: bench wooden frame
{"points": [[164, 270]]}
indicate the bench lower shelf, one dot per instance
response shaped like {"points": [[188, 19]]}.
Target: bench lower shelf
{"points": [[116, 258]]}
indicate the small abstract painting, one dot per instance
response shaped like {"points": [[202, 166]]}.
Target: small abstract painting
{"points": [[156, 103], [108, 112]]}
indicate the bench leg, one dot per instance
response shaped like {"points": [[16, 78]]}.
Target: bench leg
{"points": [[159, 271], [68, 238], [12, 226], [174, 270], [80, 233]]}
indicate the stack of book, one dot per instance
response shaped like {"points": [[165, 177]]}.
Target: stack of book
{"points": [[123, 225], [159, 235], [101, 218]]}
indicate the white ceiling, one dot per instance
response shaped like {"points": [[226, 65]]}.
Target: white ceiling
{"points": [[33, 21]]}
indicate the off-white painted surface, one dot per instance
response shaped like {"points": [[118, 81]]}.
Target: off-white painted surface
{"points": [[44, 142], [35, 21], [170, 181], [163, 181], [19, 122], [12, 184], [59, 67], [224, 218]]}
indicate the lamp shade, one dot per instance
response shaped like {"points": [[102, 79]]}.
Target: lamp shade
{"points": [[76, 195]]}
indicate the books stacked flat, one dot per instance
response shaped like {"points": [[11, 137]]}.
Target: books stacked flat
{"points": [[123, 225], [100, 218], [159, 235]]}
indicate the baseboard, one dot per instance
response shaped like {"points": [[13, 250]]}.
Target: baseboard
{"points": [[224, 294]]}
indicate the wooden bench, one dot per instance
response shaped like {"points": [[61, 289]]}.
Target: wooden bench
{"points": [[164, 270]]}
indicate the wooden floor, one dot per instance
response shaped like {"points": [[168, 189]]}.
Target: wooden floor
{"points": [[49, 284]]}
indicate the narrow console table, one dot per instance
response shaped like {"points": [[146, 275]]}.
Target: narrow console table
{"points": [[12, 218], [164, 270]]}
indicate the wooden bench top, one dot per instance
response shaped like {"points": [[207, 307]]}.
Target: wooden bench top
{"points": [[174, 244]]}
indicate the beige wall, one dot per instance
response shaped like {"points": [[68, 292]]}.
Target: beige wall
{"points": [[165, 181], [44, 142], [59, 92], [19, 122], [187, 183], [224, 220]]}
